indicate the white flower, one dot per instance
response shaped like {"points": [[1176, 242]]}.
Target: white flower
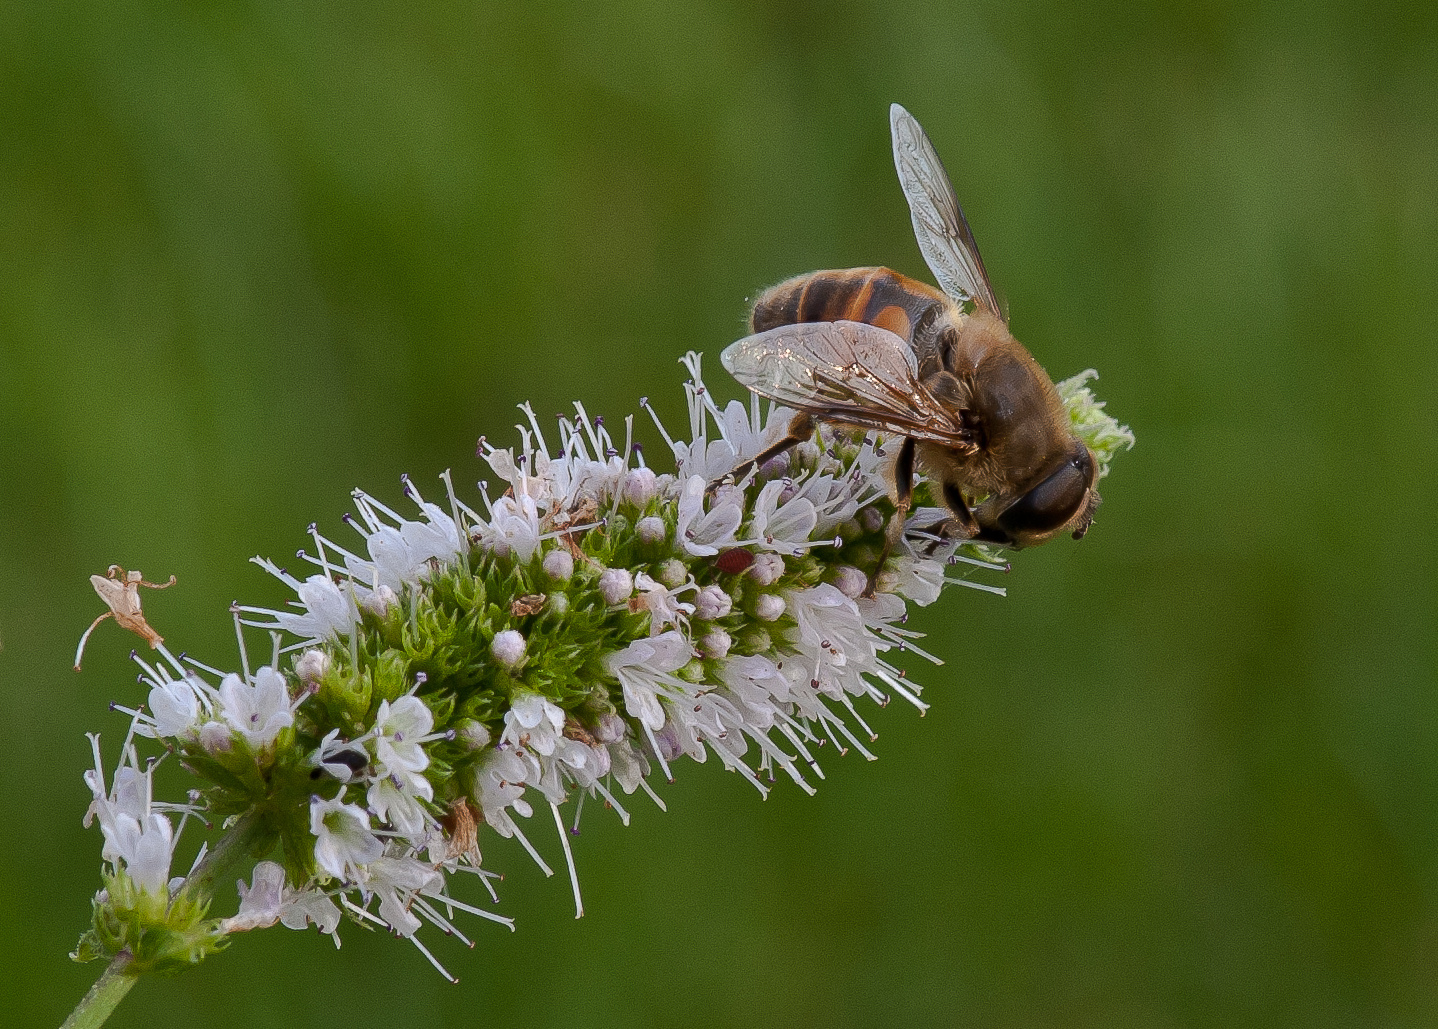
{"points": [[474, 735], [145, 846], [138, 838], [259, 711], [782, 524], [340, 759], [558, 565], [312, 666], [651, 529], [711, 603], [768, 607], [380, 601], [260, 902], [514, 527], [645, 666], [534, 737], [507, 647], [217, 737], [343, 839], [615, 585], [175, 705], [397, 802], [270, 900], [663, 605], [330, 611], [766, 569], [395, 880], [299, 908], [849, 581], [499, 786], [673, 573], [705, 534], [536, 718], [833, 635], [917, 578], [401, 730], [639, 486]]}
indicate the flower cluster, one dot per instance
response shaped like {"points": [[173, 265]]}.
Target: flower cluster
{"points": [[583, 626]]}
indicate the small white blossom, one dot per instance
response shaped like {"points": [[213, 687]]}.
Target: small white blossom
{"points": [[514, 527], [919, 579], [380, 601], [712, 602], [507, 647], [663, 604], [176, 707], [260, 902], [766, 569], [782, 524], [301, 908], [401, 730], [768, 607], [673, 573], [395, 880], [312, 666], [640, 486], [850, 581], [139, 838], [474, 735], [715, 644], [702, 533], [216, 737], [343, 839], [558, 565], [645, 665], [340, 759], [258, 710], [397, 801], [615, 585], [651, 530]]}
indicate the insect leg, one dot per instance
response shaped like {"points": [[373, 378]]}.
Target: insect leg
{"points": [[801, 428], [961, 523], [967, 525]]}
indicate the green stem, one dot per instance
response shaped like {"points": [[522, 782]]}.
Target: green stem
{"points": [[247, 838], [96, 1005]]}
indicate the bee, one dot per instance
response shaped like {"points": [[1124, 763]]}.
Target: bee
{"points": [[871, 349]]}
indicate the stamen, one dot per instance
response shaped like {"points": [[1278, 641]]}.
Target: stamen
{"points": [[534, 854], [432, 960], [568, 859], [658, 754], [996, 590], [240, 637], [659, 803], [644, 403], [578, 810], [613, 801]]}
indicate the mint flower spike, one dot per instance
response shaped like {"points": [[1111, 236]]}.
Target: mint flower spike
{"points": [[573, 631]]}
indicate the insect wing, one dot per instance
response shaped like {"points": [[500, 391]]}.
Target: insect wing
{"points": [[940, 227], [849, 372]]}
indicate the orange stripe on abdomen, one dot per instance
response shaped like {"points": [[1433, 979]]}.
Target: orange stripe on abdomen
{"points": [[878, 296]]}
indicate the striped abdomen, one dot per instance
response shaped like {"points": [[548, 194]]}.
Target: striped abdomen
{"points": [[878, 296]]}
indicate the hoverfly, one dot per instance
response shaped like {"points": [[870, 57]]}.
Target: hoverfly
{"points": [[871, 349]]}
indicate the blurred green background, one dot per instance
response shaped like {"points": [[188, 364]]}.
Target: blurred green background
{"points": [[256, 254]]}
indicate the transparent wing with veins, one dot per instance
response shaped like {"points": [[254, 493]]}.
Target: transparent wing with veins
{"points": [[940, 227], [848, 372]]}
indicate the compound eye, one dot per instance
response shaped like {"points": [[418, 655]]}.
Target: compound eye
{"points": [[1054, 502]]}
